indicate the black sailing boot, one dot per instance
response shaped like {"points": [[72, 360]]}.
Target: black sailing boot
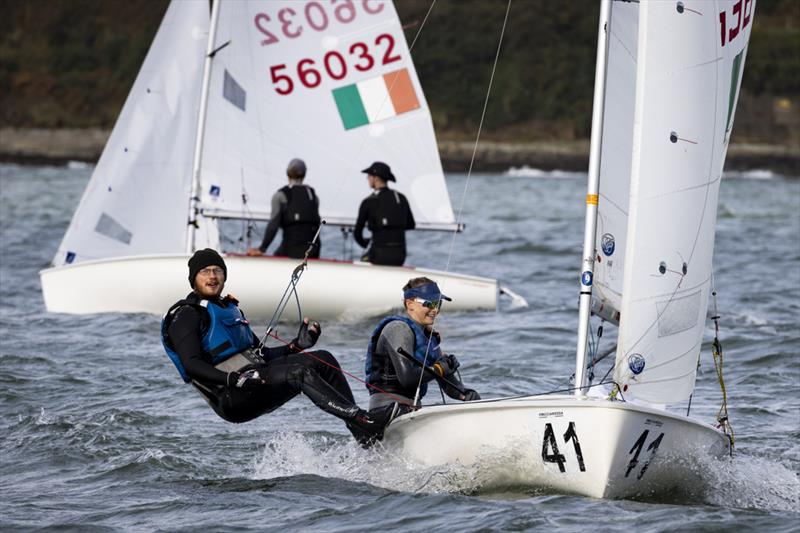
{"points": [[367, 426]]}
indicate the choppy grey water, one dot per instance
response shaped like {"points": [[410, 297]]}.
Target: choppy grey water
{"points": [[98, 433]]}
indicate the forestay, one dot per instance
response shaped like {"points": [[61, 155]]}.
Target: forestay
{"points": [[137, 199], [690, 59], [331, 83]]}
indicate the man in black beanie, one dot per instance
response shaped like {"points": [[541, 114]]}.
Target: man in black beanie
{"points": [[210, 342]]}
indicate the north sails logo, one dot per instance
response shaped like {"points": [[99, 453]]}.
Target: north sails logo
{"points": [[608, 244], [636, 363]]}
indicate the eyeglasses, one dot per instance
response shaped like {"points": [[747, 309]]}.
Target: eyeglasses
{"points": [[430, 304], [211, 270]]}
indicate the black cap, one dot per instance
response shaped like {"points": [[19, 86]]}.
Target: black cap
{"points": [[296, 169], [381, 170], [202, 259]]}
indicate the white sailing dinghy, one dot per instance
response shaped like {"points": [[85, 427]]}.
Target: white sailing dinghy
{"points": [[668, 76], [222, 103]]}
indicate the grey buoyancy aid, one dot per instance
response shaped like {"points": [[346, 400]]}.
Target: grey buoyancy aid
{"points": [[378, 367], [228, 332]]}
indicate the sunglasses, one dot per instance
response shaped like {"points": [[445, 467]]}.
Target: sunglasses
{"points": [[430, 304]]}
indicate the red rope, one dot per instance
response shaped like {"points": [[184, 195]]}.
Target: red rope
{"points": [[398, 399]]}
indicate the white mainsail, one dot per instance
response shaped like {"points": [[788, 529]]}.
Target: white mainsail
{"points": [[135, 201], [316, 81], [332, 84], [690, 58]]}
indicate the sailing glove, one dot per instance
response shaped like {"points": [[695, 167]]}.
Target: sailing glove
{"points": [[445, 366], [452, 361], [307, 335], [250, 379], [471, 395]]}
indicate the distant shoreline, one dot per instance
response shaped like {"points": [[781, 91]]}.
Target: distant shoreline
{"points": [[59, 146]]}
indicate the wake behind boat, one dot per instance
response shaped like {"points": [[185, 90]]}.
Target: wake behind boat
{"points": [[221, 104], [667, 81]]}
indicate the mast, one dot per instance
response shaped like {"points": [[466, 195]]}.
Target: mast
{"points": [[593, 188], [194, 196]]}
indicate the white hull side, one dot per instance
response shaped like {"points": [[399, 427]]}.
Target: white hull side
{"points": [[511, 437], [327, 289]]}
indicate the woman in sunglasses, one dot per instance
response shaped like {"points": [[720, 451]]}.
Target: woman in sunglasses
{"points": [[404, 353]]}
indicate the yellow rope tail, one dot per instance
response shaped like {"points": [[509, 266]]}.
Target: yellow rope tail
{"points": [[722, 414]]}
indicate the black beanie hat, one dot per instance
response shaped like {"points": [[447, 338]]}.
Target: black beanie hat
{"points": [[202, 259]]}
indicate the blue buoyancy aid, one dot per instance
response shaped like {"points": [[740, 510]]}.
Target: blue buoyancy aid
{"points": [[228, 333], [423, 353]]}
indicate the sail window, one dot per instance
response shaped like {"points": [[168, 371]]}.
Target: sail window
{"points": [[678, 314], [233, 92], [111, 228]]}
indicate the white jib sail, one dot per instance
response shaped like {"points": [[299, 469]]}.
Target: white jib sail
{"points": [[615, 161], [135, 202], [331, 83], [690, 59]]}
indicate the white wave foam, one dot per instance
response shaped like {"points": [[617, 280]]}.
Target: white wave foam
{"points": [[78, 165], [527, 172], [290, 454], [150, 453], [755, 174], [748, 482]]}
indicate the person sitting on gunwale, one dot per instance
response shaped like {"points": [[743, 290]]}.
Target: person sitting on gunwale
{"points": [[404, 348]]}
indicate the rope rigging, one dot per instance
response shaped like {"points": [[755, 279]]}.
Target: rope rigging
{"points": [[291, 288], [469, 175], [723, 421]]}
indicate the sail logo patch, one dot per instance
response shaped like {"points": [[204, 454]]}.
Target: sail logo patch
{"points": [[607, 244], [636, 363], [376, 99]]}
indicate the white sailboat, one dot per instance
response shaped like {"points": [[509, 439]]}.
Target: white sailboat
{"points": [[668, 77], [223, 101]]}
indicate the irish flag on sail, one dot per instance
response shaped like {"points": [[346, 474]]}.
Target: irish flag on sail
{"points": [[375, 99]]}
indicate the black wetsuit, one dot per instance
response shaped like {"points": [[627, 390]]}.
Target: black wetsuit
{"points": [[287, 374], [387, 215], [295, 209]]}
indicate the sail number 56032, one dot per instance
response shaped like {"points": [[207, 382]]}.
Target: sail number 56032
{"points": [[359, 56]]}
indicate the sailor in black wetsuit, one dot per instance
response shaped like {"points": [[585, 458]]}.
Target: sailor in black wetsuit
{"points": [[210, 342], [387, 215], [404, 351], [295, 209]]}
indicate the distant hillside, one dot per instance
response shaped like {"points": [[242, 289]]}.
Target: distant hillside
{"points": [[70, 63]]}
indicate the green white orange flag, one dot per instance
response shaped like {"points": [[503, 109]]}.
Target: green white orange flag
{"points": [[375, 99]]}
